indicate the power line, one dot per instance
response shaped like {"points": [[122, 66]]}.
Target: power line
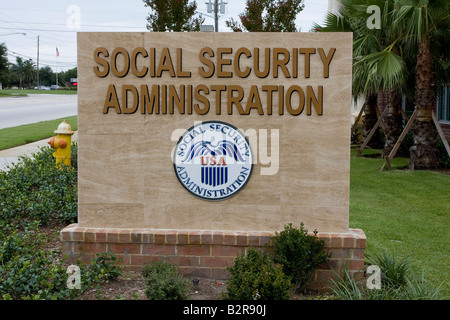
{"points": [[82, 25], [44, 62]]}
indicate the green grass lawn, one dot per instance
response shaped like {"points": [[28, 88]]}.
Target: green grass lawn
{"points": [[12, 94], [404, 212], [15, 92], [16, 136]]}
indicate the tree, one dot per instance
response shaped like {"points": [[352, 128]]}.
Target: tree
{"points": [[366, 80], [424, 27], [29, 72], [173, 15], [383, 67], [46, 76], [18, 69], [420, 36], [268, 16], [4, 64], [65, 76]]}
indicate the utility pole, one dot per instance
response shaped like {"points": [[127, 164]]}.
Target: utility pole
{"points": [[38, 63], [216, 11], [216, 15]]}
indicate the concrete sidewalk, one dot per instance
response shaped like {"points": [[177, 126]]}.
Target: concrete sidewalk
{"points": [[10, 156]]}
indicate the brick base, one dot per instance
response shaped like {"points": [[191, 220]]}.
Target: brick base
{"points": [[204, 254]]}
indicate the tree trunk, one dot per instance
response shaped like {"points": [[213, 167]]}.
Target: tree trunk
{"points": [[370, 119], [393, 122], [425, 153]]}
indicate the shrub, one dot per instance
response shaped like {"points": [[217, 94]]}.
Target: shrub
{"points": [[398, 282], [163, 282], [35, 192], [103, 268], [35, 189], [29, 272], [299, 253], [394, 270], [255, 276]]}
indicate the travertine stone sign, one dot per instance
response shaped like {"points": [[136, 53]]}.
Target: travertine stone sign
{"points": [[289, 93]]}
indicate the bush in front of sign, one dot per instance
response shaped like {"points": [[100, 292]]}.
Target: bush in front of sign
{"points": [[254, 276], [299, 253], [163, 282]]}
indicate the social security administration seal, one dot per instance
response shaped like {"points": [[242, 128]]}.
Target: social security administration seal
{"points": [[213, 160]]}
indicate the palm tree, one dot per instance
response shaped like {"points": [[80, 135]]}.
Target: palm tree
{"points": [[29, 71], [424, 26], [412, 30], [377, 65], [19, 68]]}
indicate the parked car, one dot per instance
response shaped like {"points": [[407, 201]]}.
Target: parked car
{"points": [[41, 88], [55, 87]]}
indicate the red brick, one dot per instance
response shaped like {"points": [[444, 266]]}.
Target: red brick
{"points": [[185, 261], [230, 251], [337, 253], [193, 250], [216, 262], [112, 236], [356, 265], [229, 239], [207, 237], [160, 237], [124, 248], [265, 239], [67, 247], [100, 236], [156, 249], [89, 247], [358, 254], [78, 234], [241, 239], [335, 241], [348, 241], [123, 259], [142, 260], [65, 235], [218, 237], [125, 236], [183, 238], [194, 237], [171, 237], [326, 240], [253, 241], [89, 235], [360, 243], [148, 237], [136, 237]]}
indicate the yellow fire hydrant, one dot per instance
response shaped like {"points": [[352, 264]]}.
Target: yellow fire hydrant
{"points": [[62, 144]]}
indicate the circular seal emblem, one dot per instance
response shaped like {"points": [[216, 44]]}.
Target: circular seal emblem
{"points": [[213, 160]]}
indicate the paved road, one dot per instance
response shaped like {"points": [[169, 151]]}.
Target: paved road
{"points": [[16, 111]]}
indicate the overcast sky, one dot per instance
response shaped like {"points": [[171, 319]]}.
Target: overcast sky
{"points": [[56, 24]]}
